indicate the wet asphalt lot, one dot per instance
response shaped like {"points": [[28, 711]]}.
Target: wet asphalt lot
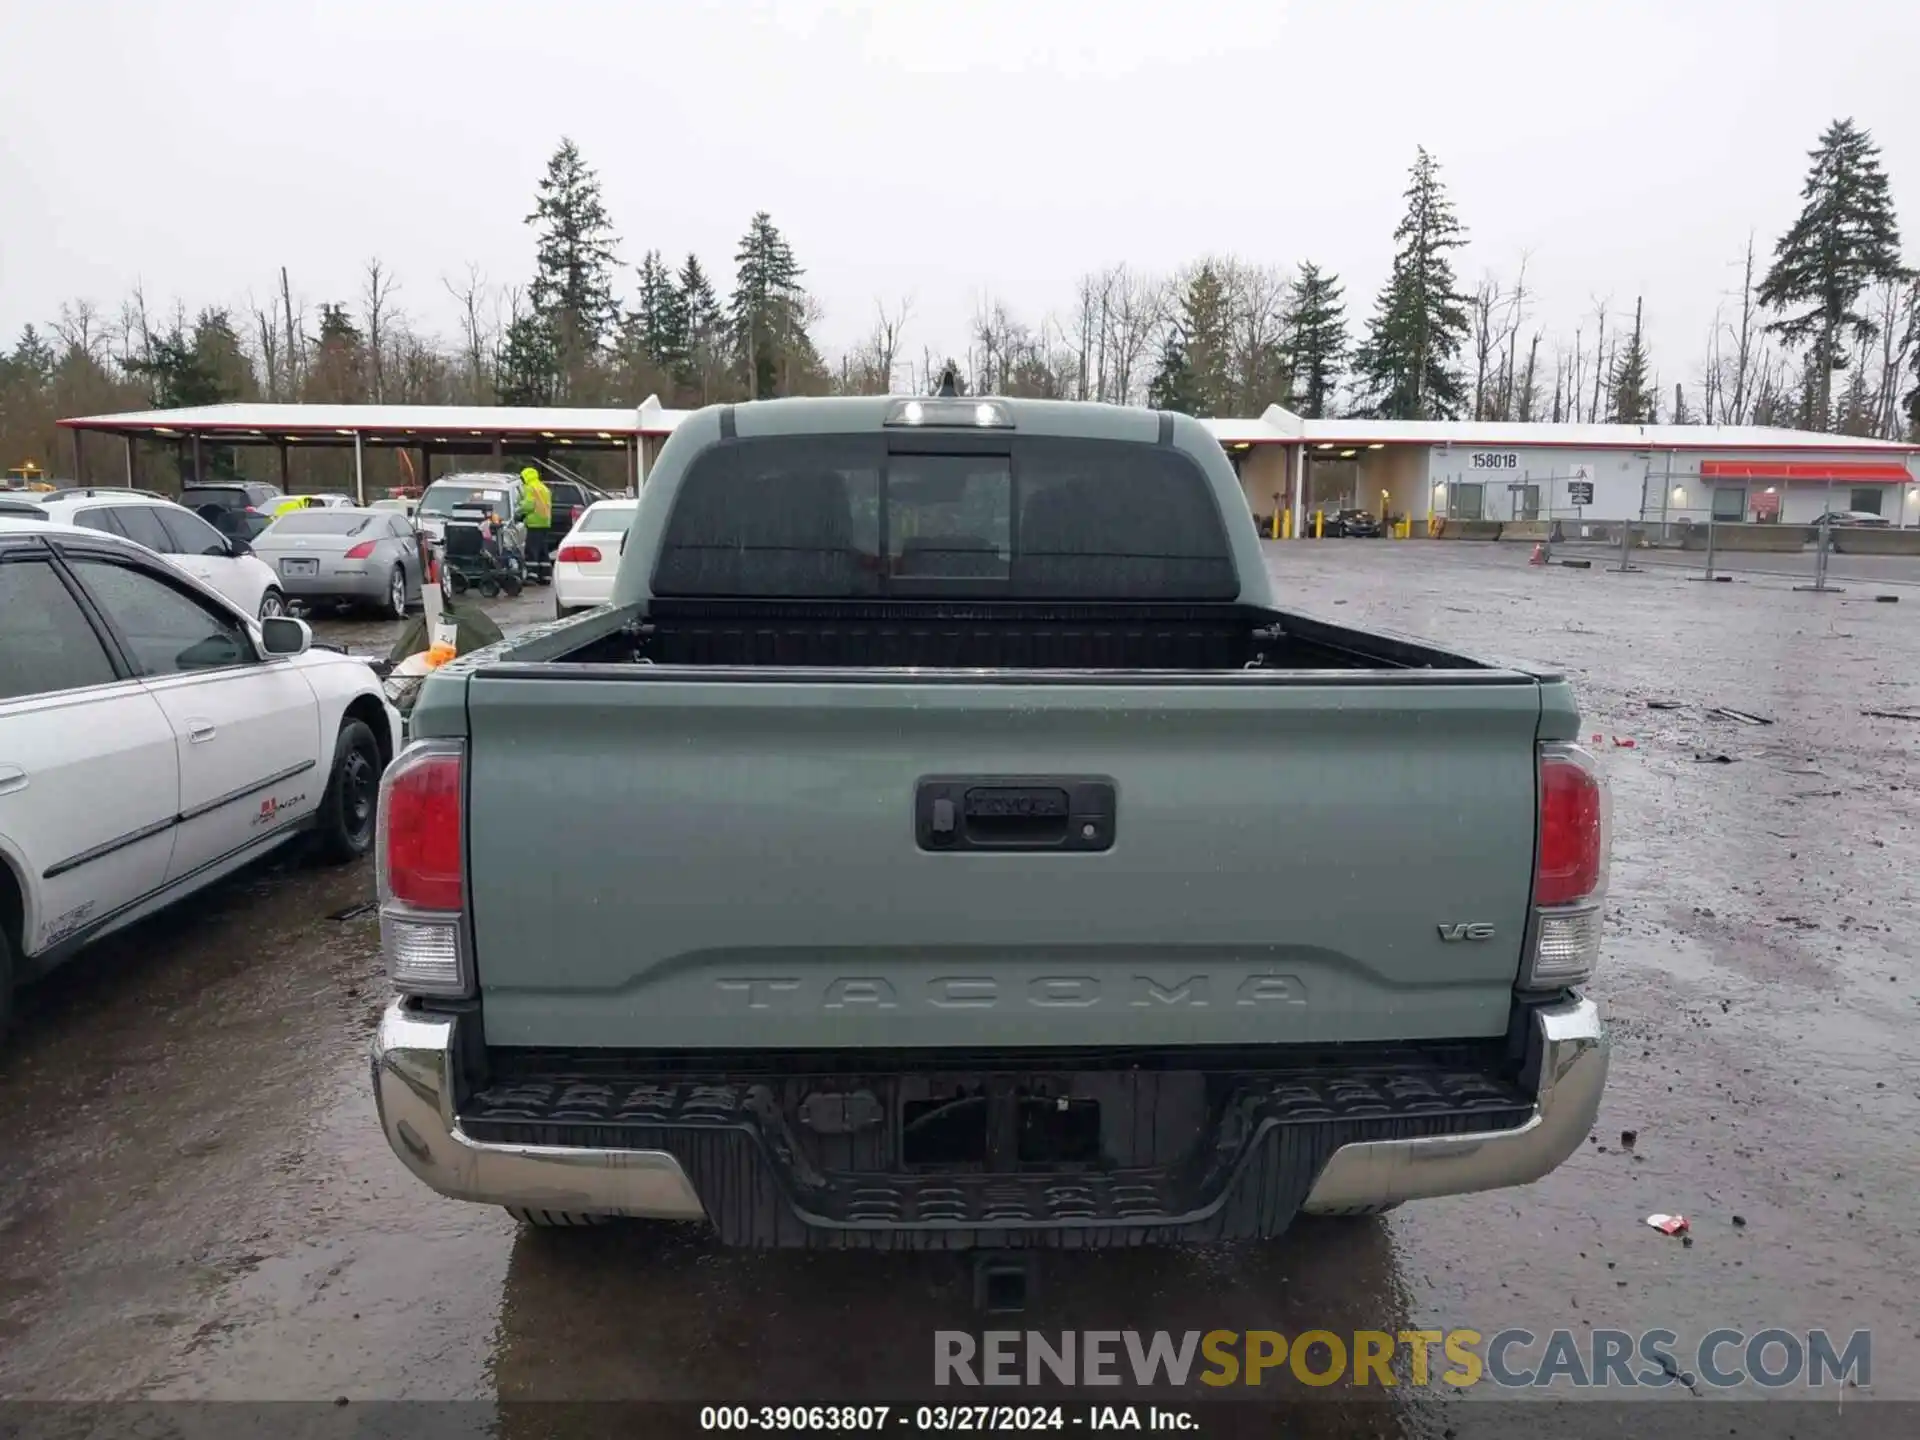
{"points": [[196, 1202]]}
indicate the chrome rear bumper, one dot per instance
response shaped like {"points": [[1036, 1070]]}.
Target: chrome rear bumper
{"points": [[414, 1064], [1569, 1047], [415, 1061]]}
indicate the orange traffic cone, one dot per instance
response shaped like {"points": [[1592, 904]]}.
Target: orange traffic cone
{"points": [[1539, 555]]}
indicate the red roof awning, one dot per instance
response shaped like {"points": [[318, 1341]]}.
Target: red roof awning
{"points": [[1879, 472]]}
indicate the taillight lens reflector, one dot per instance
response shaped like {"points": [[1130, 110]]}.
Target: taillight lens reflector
{"points": [[1573, 828], [360, 551], [419, 860], [579, 555]]}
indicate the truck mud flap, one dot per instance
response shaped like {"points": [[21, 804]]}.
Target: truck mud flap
{"points": [[767, 1179]]}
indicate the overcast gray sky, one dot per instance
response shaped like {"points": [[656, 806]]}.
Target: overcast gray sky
{"points": [[942, 151]]}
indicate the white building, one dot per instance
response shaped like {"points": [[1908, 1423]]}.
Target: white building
{"points": [[1468, 470]]}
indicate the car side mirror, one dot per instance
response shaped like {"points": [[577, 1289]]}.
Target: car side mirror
{"points": [[283, 635], [237, 547]]}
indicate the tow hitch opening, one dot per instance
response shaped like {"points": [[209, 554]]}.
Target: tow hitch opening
{"points": [[1003, 1282]]}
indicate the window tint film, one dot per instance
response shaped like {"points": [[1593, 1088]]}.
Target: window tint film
{"points": [[141, 524], [167, 632], [194, 496], [46, 644], [949, 517], [100, 518], [837, 517], [190, 535], [794, 516]]}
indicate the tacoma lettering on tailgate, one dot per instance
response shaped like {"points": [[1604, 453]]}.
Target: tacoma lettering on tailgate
{"points": [[792, 994]]}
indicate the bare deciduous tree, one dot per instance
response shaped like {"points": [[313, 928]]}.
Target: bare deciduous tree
{"points": [[477, 333], [296, 337], [267, 332], [376, 299], [1746, 345], [884, 341]]}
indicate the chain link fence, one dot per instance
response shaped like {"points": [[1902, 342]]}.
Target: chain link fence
{"points": [[1819, 556]]}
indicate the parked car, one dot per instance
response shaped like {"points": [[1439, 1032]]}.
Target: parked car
{"points": [[398, 504], [588, 557], [1351, 525], [1849, 517], [226, 562], [239, 509], [439, 498], [570, 501], [154, 738], [325, 556], [920, 892]]}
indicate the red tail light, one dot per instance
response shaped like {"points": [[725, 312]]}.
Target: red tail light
{"points": [[1573, 828], [579, 555], [574, 513], [419, 837], [361, 551]]}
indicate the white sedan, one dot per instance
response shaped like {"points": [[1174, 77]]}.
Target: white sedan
{"points": [[587, 560], [224, 562], [154, 738]]}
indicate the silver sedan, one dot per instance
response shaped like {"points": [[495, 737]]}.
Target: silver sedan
{"points": [[367, 558]]}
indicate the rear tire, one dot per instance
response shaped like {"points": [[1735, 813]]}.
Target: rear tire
{"points": [[395, 606], [557, 1219], [352, 803]]}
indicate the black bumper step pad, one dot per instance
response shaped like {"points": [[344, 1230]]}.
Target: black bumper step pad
{"points": [[1271, 1138]]}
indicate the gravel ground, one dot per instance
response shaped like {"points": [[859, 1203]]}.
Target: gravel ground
{"points": [[196, 1203]]}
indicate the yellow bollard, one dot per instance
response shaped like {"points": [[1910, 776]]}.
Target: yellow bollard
{"points": [[1319, 522], [1286, 525], [1276, 523]]}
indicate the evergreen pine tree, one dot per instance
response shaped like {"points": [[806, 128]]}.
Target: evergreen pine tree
{"points": [[1420, 318], [528, 372], [572, 290], [32, 360], [656, 330], [768, 313], [701, 320], [1195, 373], [1846, 238], [1316, 339], [183, 368], [1172, 386], [1632, 398]]}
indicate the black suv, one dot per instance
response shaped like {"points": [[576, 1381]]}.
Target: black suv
{"points": [[238, 509]]}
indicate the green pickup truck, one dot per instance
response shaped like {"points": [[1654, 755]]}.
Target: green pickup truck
{"points": [[942, 840]]}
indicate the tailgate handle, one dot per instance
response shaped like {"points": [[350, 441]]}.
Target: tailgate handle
{"points": [[1060, 813]]}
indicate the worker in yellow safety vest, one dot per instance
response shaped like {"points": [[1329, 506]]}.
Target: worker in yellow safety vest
{"points": [[536, 511], [289, 505]]}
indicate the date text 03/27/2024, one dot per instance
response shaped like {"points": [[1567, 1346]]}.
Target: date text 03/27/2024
{"points": [[974, 1419]]}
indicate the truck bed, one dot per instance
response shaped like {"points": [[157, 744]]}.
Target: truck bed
{"points": [[1005, 636]]}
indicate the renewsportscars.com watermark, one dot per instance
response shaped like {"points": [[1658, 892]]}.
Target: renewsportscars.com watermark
{"points": [[1511, 1359]]}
